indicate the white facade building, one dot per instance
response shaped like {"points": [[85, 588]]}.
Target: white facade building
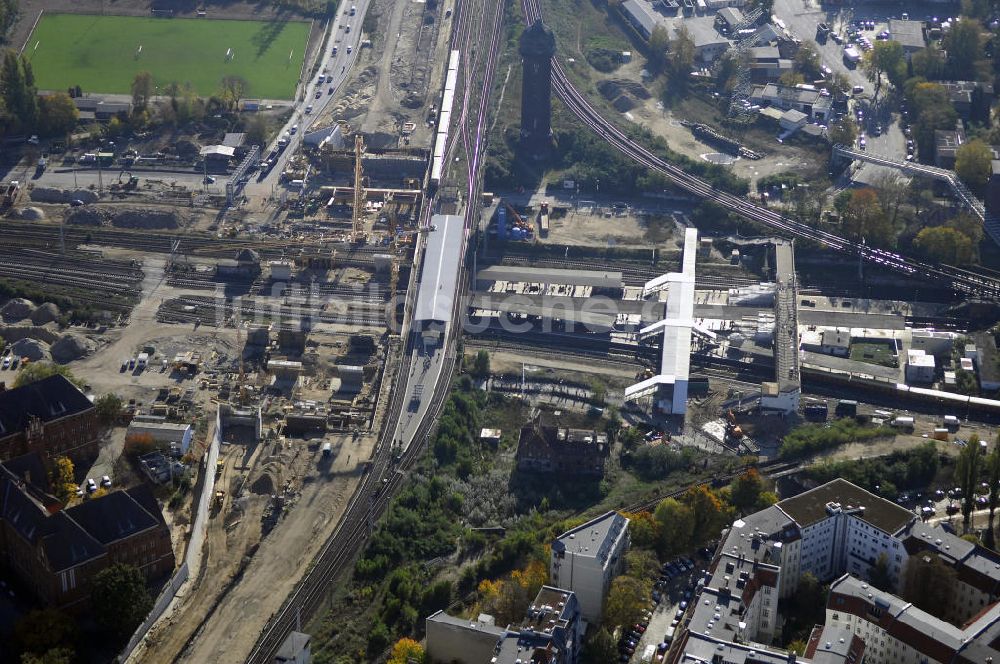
{"points": [[587, 558]]}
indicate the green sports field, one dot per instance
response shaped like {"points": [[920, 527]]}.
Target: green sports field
{"points": [[99, 53]]}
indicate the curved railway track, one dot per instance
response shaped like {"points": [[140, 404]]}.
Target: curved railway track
{"points": [[958, 279]]}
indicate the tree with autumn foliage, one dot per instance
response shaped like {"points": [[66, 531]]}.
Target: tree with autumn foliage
{"points": [[643, 529], [506, 599], [865, 220], [747, 492], [710, 513], [61, 479], [407, 651]]}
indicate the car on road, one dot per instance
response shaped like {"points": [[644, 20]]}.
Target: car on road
{"points": [[309, 109], [334, 51], [208, 180], [349, 48], [319, 93], [76, 202], [330, 91], [294, 129]]}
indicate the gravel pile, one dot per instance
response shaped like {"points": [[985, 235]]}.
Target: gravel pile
{"points": [[70, 347], [17, 309], [46, 313], [32, 349]]}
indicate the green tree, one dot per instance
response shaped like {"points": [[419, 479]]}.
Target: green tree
{"points": [[233, 90], [641, 563], [109, 408], [807, 60], [627, 598], [843, 132], [993, 480], [600, 648], [967, 468], [481, 364], [257, 130], [35, 371], [680, 58], [933, 110], [17, 89], [659, 42], [973, 164], [864, 219], [964, 46], [881, 575], [53, 656], [676, 523], [929, 63], [378, 638], [58, 114], [885, 58], [709, 512], [41, 631], [120, 599], [745, 491], [142, 89], [945, 245]]}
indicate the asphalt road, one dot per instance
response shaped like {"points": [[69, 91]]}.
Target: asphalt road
{"points": [[344, 33]]}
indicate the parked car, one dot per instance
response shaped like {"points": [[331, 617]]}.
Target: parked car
{"points": [[91, 486], [105, 481]]}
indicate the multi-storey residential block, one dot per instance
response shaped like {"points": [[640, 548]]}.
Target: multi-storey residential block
{"points": [[587, 558]]}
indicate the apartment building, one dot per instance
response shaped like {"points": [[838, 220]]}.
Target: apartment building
{"points": [[587, 558], [837, 531], [550, 633]]}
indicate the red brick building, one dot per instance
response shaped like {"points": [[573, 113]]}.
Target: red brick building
{"points": [[51, 417], [55, 552]]}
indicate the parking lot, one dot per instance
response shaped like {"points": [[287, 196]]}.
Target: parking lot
{"points": [[801, 18], [672, 593]]}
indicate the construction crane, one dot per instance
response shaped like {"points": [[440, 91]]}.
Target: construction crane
{"points": [[358, 229]]}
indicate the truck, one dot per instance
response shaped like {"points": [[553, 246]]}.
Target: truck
{"points": [[543, 219], [851, 56], [952, 423], [647, 654], [327, 450], [142, 361], [903, 423]]}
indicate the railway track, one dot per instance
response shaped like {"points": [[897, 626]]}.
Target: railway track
{"points": [[383, 480], [958, 279], [766, 468]]}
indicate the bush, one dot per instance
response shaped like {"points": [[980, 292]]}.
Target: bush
{"points": [[653, 462], [604, 59], [813, 438]]}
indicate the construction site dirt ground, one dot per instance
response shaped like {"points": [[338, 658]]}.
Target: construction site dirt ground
{"points": [[400, 77], [226, 630], [315, 490], [582, 227]]}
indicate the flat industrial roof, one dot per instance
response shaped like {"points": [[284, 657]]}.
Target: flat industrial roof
{"points": [[786, 329], [543, 275], [439, 277], [810, 507]]}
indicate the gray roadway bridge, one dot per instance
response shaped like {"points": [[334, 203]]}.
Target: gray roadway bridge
{"points": [[991, 224]]}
